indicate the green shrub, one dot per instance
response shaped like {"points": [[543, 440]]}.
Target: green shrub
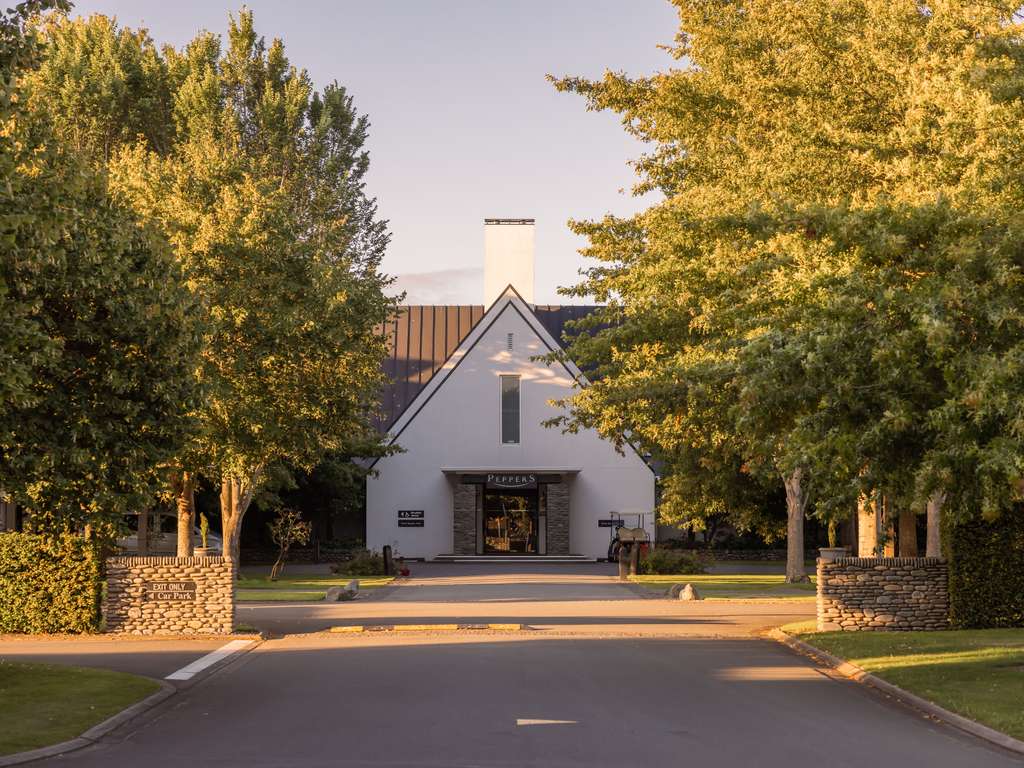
{"points": [[364, 563], [670, 561], [986, 572], [48, 585]]}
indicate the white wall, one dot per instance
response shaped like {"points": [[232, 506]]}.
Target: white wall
{"points": [[459, 427]]}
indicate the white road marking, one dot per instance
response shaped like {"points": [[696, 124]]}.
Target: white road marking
{"points": [[186, 673], [522, 721]]}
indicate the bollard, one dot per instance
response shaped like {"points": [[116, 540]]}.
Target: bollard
{"points": [[634, 559], [624, 562], [389, 566]]}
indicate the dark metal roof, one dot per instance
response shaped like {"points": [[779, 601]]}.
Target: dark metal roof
{"points": [[422, 338], [554, 317]]}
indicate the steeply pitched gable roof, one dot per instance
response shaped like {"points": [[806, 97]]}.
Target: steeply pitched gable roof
{"points": [[509, 300], [421, 338]]}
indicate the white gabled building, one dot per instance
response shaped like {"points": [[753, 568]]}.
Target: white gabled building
{"points": [[480, 474]]}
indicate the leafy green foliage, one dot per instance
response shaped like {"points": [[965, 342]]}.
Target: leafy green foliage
{"points": [[669, 561], [98, 343], [48, 584], [829, 287], [256, 181], [986, 572], [364, 563]]}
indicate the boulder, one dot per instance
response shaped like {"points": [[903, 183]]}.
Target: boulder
{"points": [[689, 592], [337, 594], [683, 592]]}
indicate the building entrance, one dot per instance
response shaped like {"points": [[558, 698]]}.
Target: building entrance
{"points": [[510, 522]]}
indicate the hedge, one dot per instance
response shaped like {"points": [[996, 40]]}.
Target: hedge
{"points": [[48, 585], [986, 572]]}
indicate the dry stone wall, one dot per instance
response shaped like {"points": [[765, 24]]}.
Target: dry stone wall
{"points": [[170, 595], [879, 594]]}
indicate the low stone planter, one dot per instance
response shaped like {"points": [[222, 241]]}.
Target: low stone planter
{"points": [[831, 554], [206, 552]]}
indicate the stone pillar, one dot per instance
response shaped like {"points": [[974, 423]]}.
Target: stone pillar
{"points": [[558, 518], [464, 519], [867, 527], [826, 614]]}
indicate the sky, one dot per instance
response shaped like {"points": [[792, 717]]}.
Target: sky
{"points": [[463, 124]]}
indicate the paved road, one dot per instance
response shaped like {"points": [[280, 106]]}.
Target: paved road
{"points": [[452, 701], [578, 599], [153, 657], [664, 695]]}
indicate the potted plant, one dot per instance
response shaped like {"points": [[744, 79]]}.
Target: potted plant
{"points": [[204, 532], [832, 551]]}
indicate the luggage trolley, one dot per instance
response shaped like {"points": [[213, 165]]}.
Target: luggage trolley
{"points": [[624, 534]]}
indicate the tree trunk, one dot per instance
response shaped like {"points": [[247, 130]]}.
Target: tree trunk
{"points": [[235, 497], [888, 544], [867, 527], [933, 546], [908, 532], [278, 566], [142, 534], [796, 504], [184, 491]]}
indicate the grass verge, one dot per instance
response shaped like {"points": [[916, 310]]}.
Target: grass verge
{"points": [[733, 586], [46, 704], [252, 588], [976, 673]]}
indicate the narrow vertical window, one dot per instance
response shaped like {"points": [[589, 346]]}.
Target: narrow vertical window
{"points": [[509, 410]]}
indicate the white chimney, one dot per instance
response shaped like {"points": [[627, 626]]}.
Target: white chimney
{"points": [[508, 258]]}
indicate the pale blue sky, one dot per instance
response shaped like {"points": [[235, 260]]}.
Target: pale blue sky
{"points": [[463, 124]]}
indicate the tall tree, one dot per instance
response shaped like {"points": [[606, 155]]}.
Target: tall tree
{"points": [[835, 238], [98, 343], [262, 197]]}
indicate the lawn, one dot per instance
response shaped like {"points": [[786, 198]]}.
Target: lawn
{"points": [[259, 588], [976, 673], [45, 704], [733, 586]]}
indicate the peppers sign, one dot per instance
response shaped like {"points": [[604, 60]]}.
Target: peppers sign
{"points": [[511, 481]]}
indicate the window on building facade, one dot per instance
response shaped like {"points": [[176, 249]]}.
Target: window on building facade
{"points": [[509, 410]]}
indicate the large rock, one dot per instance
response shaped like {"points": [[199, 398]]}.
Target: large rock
{"points": [[683, 592], [337, 594]]}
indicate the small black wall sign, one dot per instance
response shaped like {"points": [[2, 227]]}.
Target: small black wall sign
{"points": [[170, 590], [610, 523], [410, 518]]}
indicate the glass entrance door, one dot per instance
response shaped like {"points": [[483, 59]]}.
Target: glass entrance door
{"points": [[510, 522]]}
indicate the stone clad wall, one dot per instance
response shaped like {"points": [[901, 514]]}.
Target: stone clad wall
{"points": [[170, 595], [878, 594], [464, 519], [558, 518]]}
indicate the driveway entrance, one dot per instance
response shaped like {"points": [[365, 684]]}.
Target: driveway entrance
{"points": [[577, 599]]}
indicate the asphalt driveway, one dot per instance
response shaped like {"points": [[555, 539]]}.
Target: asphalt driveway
{"points": [[530, 700], [604, 676], [574, 599]]}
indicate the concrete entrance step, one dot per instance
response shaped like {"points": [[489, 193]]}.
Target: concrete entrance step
{"points": [[509, 559]]}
